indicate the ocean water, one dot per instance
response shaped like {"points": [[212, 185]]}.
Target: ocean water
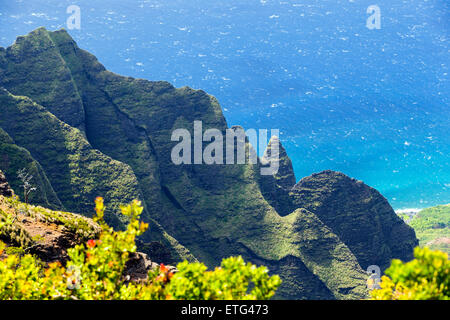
{"points": [[373, 104]]}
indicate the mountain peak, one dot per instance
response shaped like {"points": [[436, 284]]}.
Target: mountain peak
{"points": [[328, 177], [276, 155], [38, 33]]}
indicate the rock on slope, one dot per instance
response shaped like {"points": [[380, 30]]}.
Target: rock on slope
{"points": [[40, 231], [5, 189], [98, 133]]}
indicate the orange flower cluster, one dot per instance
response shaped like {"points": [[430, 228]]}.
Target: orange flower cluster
{"points": [[165, 275]]}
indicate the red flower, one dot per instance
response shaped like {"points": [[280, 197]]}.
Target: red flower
{"points": [[91, 243], [163, 268]]}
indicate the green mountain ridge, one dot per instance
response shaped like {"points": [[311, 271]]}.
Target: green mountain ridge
{"points": [[89, 132], [331, 195]]}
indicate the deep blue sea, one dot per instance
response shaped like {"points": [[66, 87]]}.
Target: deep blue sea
{"points": [[372, 103]]}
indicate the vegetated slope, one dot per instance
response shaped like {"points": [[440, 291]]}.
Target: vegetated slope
{"points": [[432, 226], [78, 173], [43, 232], [359, 215], [121, 148], [14, 158]]}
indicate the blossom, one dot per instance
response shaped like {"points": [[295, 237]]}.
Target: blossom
{"points": [[163, 268], [91, 243]]}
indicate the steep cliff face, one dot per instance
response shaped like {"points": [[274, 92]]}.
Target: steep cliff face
{"points": [[275, 188], [359, 215], [110, 136], [276, 155], [77, 171]]}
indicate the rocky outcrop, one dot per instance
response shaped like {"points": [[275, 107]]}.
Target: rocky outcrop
{"points": [[359, 215], [39, 231], [5, 189], [52, 244], [43, 232], [275, 188], [276, 156], [139, 265]]}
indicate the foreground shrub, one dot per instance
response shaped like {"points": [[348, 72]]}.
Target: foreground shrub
{"points": [[95, 270], [425, 278]]}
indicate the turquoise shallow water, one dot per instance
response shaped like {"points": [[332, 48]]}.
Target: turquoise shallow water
{"points": [[373, 104]]}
